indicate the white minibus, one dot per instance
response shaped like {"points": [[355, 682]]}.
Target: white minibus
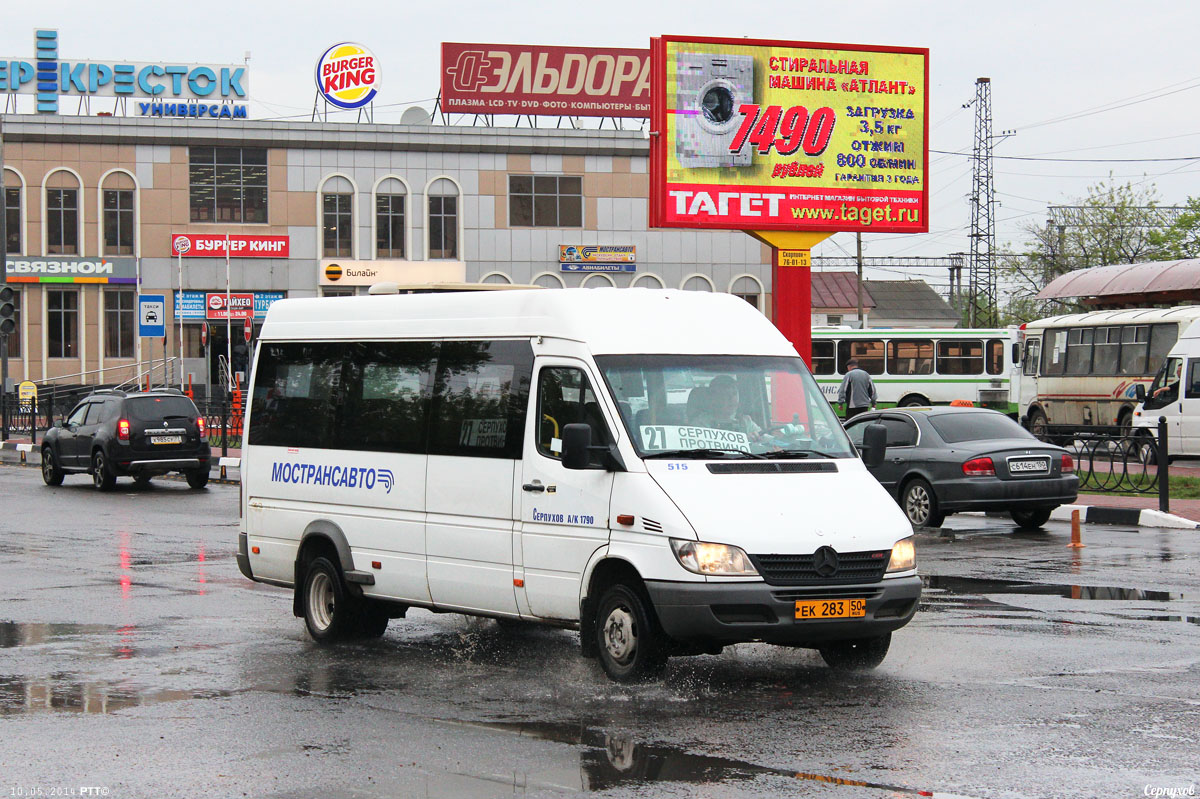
{"points": [[656, 469]]}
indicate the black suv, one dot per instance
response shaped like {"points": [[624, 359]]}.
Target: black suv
{"points": [[143, 434]]}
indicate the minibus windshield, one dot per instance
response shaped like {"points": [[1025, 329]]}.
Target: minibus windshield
{"points": [[714, 406]]}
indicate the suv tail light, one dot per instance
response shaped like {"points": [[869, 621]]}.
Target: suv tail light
{"points": [[979, 467], [200, 425], [123, 430], [1068, 465]]}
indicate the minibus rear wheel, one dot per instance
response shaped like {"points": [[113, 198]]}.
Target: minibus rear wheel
{"points": [[859, 654], [627, 637], [329, 612]]}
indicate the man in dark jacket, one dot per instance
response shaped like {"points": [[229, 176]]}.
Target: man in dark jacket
{"points": [[858, 391]]}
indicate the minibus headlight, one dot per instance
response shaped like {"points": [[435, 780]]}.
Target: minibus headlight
{"points": [[704, 558], [904, 556]]}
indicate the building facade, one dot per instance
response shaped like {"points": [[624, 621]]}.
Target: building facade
{"points": [[95, 208]]}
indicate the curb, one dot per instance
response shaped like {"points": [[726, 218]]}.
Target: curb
{"points": [[1137, 517]]}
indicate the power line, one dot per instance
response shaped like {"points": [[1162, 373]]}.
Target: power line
{"points": [[1075, 160]]}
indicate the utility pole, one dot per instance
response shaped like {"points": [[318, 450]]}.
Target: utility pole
{"points": [[982, 281], [3, 282], [982, 289]]}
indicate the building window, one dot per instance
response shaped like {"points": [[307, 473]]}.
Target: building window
{"points": [[443, 220], [228, 184], [62, 221], [62, 323], [748, 289], [833, 319], [697, 283], [118, 324], [12, 217], [338, 291], [545, 201], [389, 220], [337, 223], [14, 338], [118, 221]]}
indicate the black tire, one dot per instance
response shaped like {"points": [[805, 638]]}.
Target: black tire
{"points": [[52, 473], [859, 654], [198, 478], [330, 614], [920, 504], [102, 475], [914, 401], [372, 620], [1030, 519], [628, 641], [1037, 424]]}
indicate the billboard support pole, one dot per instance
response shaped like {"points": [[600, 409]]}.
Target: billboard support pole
{"points": [[791, 284]]}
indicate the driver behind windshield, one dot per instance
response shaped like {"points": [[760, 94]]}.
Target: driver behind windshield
{"points": [[716, 407]]}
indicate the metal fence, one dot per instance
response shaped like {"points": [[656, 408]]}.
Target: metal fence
{"points": [[1120, 460], [222, 420]]}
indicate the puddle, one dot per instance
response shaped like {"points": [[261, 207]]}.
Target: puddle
{"points": [[19, 634], [63, 693], [610, 760], [978, 585]]}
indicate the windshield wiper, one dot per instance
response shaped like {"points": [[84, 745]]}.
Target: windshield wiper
{"points": [[800, 453], [702, 453]]}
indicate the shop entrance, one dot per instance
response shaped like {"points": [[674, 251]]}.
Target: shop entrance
{"points": [[217, 350]]}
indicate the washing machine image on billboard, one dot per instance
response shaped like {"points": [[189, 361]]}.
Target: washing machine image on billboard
{"points": [[709, 90]]}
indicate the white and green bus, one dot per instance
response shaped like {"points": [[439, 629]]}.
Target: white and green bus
{"points": [[923, 366]]}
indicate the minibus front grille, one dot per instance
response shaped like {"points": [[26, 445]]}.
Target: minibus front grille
{"points": [[772, 467], [852, 567]]}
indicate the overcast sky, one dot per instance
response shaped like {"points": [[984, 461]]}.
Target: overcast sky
{"points": [[1047, 60]]}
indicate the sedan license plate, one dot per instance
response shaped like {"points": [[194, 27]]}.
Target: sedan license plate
{"points": [[1029, 465], [831, 609], [166, 439]]}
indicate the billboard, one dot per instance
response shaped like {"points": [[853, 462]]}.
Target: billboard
{"points": [[212, 245], [795, 136], [50, 77], [597, 258], [347, 75], [546, 81], [70, 269]]}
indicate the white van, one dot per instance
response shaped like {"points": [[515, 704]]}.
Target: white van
{"points": [[1175, 395], [571, 457]]}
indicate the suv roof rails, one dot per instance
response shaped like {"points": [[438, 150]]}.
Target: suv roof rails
{"points": [[116, 391], [163, 390]]}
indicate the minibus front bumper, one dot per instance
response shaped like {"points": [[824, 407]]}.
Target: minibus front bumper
{"points": [[733, 613]]}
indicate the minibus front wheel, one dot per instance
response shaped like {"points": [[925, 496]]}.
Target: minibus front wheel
{"points": [[627, 638], [329, 612]]}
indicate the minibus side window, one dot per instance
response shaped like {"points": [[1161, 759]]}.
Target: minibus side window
{"points": [[298, 395], [566, 397], [389, 385], [480, 397]]}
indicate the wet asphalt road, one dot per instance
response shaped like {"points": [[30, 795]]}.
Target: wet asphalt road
{"points": [[135, 658]]}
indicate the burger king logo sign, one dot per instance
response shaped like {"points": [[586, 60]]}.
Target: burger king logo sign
{"points": [[348, 75]]}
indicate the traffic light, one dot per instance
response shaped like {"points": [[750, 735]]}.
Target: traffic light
{"points": [[7, 309]]}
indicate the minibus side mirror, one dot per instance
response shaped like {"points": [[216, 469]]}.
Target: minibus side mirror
{"points": [[577, 450], [576, 446], [874, 445], [1139, 391]]}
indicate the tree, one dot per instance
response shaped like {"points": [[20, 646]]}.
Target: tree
{"points": [[1112, 224], [1182, 238]]}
